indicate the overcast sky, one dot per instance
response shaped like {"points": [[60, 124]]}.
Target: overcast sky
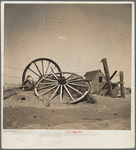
{"points": [[76, 36]]}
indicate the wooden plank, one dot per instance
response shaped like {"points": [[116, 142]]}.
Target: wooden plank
{"points": [[105, 65], [121, 84]]}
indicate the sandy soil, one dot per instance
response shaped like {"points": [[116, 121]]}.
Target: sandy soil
{"points": [[25, 111]]}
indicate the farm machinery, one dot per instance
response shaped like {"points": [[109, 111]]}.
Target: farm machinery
{"points": [[49, 81]]}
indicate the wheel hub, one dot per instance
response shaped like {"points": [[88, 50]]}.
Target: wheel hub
{"points": [[61, 80], [65, 84]]}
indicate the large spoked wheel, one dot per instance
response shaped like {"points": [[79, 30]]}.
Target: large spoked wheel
{"points": [[66, 84], [39, 68]]}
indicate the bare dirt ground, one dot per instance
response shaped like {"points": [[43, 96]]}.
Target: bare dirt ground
{"points": [[25, 111]]}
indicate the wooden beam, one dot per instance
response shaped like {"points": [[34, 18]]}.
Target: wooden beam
{"points": [[110, 78], [105, 65], [121, 84]]}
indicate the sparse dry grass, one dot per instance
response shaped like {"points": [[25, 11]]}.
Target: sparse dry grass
{"points": [[10, 90], [90, 98]]}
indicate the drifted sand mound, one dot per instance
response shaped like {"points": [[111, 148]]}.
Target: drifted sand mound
{"points": [[25, 111]]}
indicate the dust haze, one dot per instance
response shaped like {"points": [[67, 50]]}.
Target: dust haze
{"points": [[76, 36]]}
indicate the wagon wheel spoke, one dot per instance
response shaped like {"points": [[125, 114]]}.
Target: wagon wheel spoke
{"points": [[54, 74], [49, 90], [52, 70], [74, 89], [68, 92], [39, 89], [61, 93], [55, 92], [37, 68], [42, 67], [47, 68], [74, 79], [69, 76], [78, 85], [34, 72], [51, 80], [49, 83]]}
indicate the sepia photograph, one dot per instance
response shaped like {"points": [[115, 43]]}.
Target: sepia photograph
{"points": [[67, 68]]}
